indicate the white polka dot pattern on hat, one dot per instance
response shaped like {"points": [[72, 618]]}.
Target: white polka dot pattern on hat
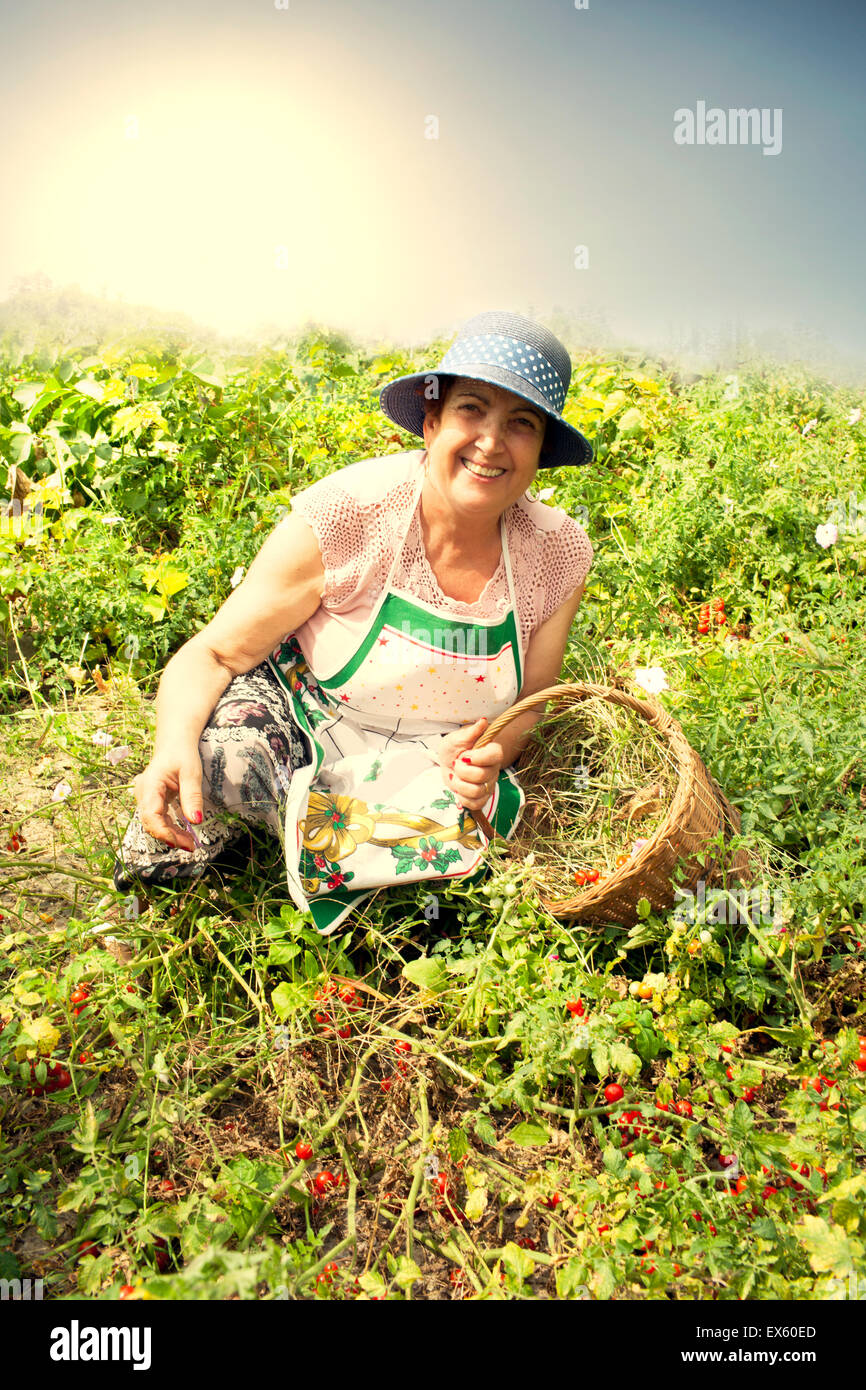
{"points": [[494, 349]]}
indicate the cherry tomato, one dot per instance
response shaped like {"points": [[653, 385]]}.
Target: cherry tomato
{"points": [[126, 1291], [403, 1047], [613, 1093], [683, 1107], [79, 995], [303, 1151], [324, 1180], [88, 1247], [576, 1007]]}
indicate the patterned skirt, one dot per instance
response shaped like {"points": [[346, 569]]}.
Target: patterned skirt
{"points": [[249, 750]]}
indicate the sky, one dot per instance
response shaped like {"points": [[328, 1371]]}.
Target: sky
{"points": [[391, 168]]}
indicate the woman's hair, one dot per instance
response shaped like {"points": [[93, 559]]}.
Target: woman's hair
{"points": [[433, 406]]}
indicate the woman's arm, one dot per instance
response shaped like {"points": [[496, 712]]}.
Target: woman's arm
{"points": [[280, 591], [544, 657]]}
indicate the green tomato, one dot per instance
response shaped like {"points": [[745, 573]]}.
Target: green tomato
{"points": [[757, 958]]}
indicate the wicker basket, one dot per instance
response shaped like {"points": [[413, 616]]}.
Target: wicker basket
{"points": [[699, 809]]}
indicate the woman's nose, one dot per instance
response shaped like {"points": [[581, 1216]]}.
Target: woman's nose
{"points": [[490, 434]]}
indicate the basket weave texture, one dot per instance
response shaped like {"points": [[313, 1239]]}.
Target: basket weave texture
{"points": [[698, 810]]}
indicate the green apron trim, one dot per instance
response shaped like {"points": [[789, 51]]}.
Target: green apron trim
{"points": [[396, 610]]}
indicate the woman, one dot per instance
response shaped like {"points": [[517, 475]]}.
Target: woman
{"points": [[338, 694]]}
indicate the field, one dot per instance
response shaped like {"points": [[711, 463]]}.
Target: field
{"points": [[419, 1106]]}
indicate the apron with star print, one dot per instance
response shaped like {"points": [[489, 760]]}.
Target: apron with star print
{"points": [[371, 809]]}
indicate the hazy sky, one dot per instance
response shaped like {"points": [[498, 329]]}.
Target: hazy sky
{"points": [[249, 165]]}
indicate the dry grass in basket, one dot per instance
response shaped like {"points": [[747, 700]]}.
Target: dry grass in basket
{"points": [[595, 779]]}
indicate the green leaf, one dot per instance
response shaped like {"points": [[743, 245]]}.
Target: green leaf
{"points": [[601, 1059], [88, 387], [476, 1204], [153, 607], [406, 1273], [287, 999], [830, 1251], [518, 1260], [204, 369], [458, 1144], [86, 1133], [622, 1059], [570, 1280], [485, 1131], [529, 1134], [171, 581], [742, 1122], [426, 974], [631, 424]]}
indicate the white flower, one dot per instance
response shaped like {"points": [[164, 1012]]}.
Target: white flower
{"points": [[117, 755], [828, 534], [111, 520], [652, 679], [809, 426], [854, 417], [61, 791], [237, 576], [102, 738], [545, 492]]}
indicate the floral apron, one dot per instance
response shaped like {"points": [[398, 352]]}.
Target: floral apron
{"points": [[371, 808]]}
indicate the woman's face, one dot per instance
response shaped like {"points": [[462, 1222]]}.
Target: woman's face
{"points": [[483, 427]]}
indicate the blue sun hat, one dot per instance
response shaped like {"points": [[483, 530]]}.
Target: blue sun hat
{"points": [[504, 350]]}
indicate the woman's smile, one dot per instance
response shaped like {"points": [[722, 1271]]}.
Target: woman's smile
{"points": [[479, 470]]}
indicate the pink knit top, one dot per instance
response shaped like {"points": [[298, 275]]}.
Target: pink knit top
{"points": [[361, 514]]}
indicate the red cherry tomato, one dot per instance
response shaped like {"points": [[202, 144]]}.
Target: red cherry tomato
{"points": [[126, 1291], [303, 1151], [613, 1093]]}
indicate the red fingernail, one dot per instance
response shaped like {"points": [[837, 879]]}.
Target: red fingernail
{"points": [[197, 818], [466, 760]]}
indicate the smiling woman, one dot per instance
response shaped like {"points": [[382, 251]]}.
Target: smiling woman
{"points": [[338, 694]]}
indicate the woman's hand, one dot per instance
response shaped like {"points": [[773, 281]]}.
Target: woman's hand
{"points": [[170, 772], [469, 772]]}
